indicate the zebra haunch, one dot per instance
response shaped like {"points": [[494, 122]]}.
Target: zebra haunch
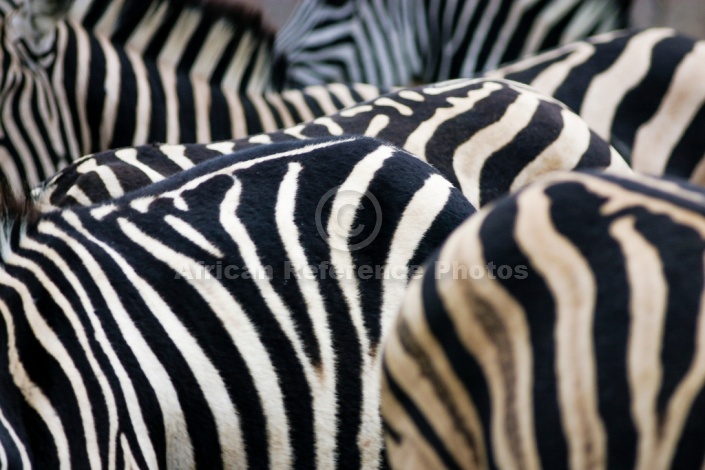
{"points": [[229, 316], [590, 356]]}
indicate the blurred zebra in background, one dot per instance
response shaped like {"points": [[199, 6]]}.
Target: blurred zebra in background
{"points": [[399, 43], [126, 73]]}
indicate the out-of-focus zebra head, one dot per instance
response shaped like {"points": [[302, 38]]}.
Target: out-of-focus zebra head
{"points": [[35, 20], [32, 141]]}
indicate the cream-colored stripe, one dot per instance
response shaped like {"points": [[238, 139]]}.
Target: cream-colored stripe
{"points": [[564, 153], [656, 139], [470, 157], [555, 74], [178, 443], [572, 285], [418, 139], [323, 379], [648, 297], [493, 328], [422, 370], [608, 88]]}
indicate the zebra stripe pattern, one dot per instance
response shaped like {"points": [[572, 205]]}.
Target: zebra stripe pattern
{"points": [[642, 91], [155, 77], [398, 43], [268, 357], [562, 327], [488, 137]]}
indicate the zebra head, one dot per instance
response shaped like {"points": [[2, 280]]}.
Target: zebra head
{"points": [[31, 146], [37, 19]]}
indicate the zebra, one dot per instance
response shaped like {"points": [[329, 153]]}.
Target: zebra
{"points": [[229, 316], [388, 43], [643, 91], [488, 137], [560, 327], [116, 74]]}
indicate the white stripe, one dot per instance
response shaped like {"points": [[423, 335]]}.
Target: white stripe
{"points": [[53, 346], [607, 89], [66, 310], [564, 153], [264, 114], [555, 74], [111, 88], [418, 139], [16, 441], [418, 216], [179, 448], [324, 398], [656, 139], [143, 113], [32, 394], [222, 147], [296, 99], [543, 24], [350, 193], [177, 154], [207, 376], [470, 157], [189, 232], [130, 156], [195, 182]]}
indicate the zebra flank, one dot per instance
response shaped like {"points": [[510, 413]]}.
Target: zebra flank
{"points": [[561, 327], [487, 137], [642, 91], [423, 41], [268, 357]]}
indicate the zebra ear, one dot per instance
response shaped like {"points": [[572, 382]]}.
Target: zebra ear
{"points": [[37, 19]]}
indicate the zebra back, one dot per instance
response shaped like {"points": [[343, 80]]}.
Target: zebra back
{"points": [[643, 91], [560, 328], [227, 317], [488, 137]]}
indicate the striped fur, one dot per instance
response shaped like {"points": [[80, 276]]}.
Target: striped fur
{"points": [[170, 73], [588, 354], [222, 318], [488, 137], [398, 43], [643, 91]]}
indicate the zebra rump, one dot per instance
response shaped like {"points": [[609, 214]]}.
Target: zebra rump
{"points": [[227, 317], [487, 137], [561, 327], [642, 91]]}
